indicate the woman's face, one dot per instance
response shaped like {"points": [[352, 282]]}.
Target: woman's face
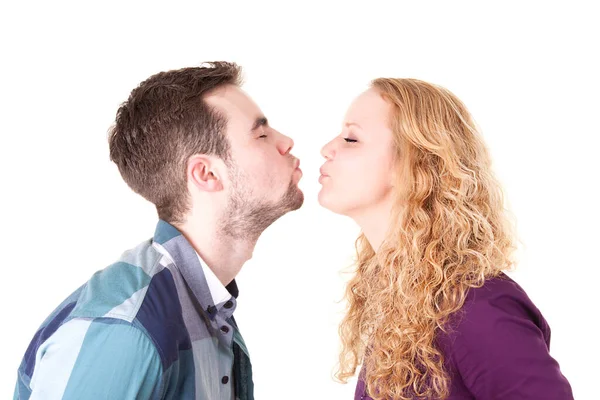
{"points": [[358, 172]]}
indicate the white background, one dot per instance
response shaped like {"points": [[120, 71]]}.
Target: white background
{"points": [[527, 71]]}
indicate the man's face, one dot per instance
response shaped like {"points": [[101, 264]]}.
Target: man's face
{"points": [[262, 172]]}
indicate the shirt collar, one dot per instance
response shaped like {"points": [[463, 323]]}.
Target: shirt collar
{"points": [[196, 273], [218, 292]]}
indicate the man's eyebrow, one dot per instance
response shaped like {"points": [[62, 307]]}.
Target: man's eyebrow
{"points": [[260, 121]]}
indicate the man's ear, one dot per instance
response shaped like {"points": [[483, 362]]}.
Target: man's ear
{"points": [[203, 173]]}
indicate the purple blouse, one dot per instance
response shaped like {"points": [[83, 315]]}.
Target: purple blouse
{"points": [[498, 348]]}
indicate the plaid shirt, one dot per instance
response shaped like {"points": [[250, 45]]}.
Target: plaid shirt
{"points": [[146, 327]]}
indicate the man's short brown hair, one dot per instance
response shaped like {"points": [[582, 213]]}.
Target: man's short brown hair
{"points": [[163, 123]]}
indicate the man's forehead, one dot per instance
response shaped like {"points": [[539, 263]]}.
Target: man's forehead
{"points": [[233, 102]]}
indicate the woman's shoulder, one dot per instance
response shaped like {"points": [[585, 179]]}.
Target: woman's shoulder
{"points": [[495, 289], [498, 304], [499, 342]]}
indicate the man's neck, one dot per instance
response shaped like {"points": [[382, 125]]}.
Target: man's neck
{"points": [[223, 254]]}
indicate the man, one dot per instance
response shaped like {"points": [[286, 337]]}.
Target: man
{"points": [[158, 323]]}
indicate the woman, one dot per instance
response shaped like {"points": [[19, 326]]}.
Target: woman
{"points": [[430, 312]]}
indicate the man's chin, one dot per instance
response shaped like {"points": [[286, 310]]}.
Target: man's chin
{"points": [[292, 200], [293, 197], [299, 200]]}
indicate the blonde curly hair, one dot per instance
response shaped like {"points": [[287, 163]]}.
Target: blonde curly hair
{"points": [[449, 232]]}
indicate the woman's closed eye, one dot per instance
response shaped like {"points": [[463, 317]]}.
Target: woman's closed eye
{"points": [[348, 140]]}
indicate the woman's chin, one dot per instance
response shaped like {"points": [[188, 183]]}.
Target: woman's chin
{"points": [[326, 200], [321, 198]]}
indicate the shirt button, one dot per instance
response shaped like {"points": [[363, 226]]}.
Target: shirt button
{"points": [[225, 329], [225, 380], [228, 305]]}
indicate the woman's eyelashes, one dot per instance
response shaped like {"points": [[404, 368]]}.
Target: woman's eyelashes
{"points": [[348, 140]]}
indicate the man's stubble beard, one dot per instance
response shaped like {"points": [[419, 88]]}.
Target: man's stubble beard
{"points": [[246, 217]]}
